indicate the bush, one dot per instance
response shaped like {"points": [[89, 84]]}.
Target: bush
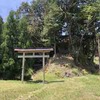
{"points": [[75, 71], [28, 74], [58, 73], [84, 72]]}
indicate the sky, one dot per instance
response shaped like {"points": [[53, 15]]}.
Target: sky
{"points": [[7, 5]]}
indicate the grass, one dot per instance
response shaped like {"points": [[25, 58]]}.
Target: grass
{"points": [[76, 88], [57, 88], [10, 90]]}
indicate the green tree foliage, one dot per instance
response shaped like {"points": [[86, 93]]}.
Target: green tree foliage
{"points": [[80, 16], [41, 24], [10, 41], [23, 28], [1, 28], [34, 16]]}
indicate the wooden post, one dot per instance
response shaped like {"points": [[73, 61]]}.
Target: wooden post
{"points": [[43, 67], [23, 67], [99, 53]]}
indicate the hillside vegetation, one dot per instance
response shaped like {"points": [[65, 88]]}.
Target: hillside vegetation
{"points": [[62, 66]]}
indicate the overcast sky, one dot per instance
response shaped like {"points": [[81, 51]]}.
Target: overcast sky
{"points": [[7, 5]]}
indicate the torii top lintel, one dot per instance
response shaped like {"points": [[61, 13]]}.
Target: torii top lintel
{"points": [[33, 50]]}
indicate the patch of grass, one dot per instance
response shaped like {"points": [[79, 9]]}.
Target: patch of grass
{"points": [[49, 76], [9, 90], [76, 88]]}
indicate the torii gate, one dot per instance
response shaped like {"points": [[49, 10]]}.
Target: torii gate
{"points": [[33, 51]]}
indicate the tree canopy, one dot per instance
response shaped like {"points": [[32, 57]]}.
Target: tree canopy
{"points": [[49, 23]]}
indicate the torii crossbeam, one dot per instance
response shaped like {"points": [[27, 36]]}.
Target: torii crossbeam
{"points": [[25, 53]]}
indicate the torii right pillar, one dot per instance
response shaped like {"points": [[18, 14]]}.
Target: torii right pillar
{"points": [[98, 39]]}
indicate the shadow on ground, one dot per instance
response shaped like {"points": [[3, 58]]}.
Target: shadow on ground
{"points": [[46, 82]]}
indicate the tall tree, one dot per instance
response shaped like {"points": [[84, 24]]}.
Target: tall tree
{"points": [[80, 17], [24, 40], [10, 41], [1, 29], [34, 14]]}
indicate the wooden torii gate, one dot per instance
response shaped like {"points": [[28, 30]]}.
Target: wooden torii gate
{"points": [[25, 54]]}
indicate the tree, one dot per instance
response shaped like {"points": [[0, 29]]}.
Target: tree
{"points": [[52, 23], [24, 40], [10, 41], [80, 16], [1, 29], [34, 16]]}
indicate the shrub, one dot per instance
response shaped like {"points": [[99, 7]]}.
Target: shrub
{"points": [[84, 72], [28, 74], [57, 73], [75, 71]]}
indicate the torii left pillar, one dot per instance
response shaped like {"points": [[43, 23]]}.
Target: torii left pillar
{"points": [[23, 67]]}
